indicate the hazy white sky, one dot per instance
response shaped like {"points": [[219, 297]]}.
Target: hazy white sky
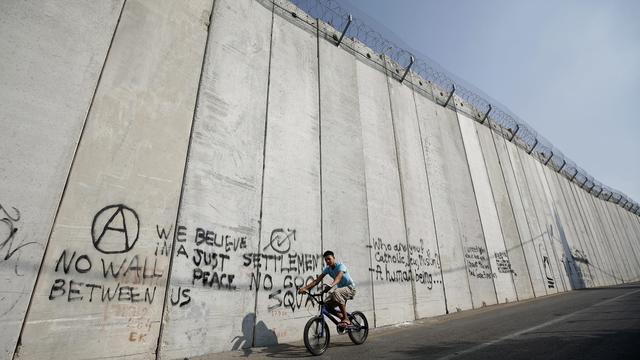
{"points": [[571, 69]]}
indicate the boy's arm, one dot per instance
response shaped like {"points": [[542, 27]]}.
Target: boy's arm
{"points": [[336, 281], [312, 284]]}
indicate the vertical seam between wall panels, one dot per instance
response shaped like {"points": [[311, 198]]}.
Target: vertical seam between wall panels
{"points": [[629, 239], [623, 266], [535, 211], [320, 136], [366, 196], [64, 189], [614, 264], [541, 233], [557, 219], [599, 230], [466, 269], [574, 221], [626, 266], [549, 197], [404, 213], [579, 217], [473, 188], [515, 221], [517, 154], [636, 226], [618, 236], [495, 205], [433, 214], [592, 234], [184, 175], [621, 240], [586, 228], [264, 157]]}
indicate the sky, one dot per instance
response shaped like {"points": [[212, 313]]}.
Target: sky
{"points": [[570, 69]]}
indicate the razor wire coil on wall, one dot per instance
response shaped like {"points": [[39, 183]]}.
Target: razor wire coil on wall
{"points": [[495, 116]]}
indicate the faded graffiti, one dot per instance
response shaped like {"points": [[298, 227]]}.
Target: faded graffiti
{"points": [[580, 256], [477, 261], [548, 272], [398, 262], [503, 263], [9, 243]]}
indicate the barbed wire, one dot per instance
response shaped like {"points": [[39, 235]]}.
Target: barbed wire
{"points": [[492, 114]]}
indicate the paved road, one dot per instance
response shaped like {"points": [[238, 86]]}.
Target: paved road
{"points": [[586, 324]]}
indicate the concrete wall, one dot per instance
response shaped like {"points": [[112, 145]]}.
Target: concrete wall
{"points": [[172, 174], [50, 62]]}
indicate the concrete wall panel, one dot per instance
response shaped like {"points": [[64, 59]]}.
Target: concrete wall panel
{"points": [[564, 231], [549, 212], [607, 242], [211, 298], [102, 286], [421, 247], [291, 226], [515, 261], [629, 242], [502, 276], [596, 261], [613, 240], [523, 209], [582, 252], [433, 128], [598, 240], [345, 225], [50, 60], [552, 271], [393, 296]]}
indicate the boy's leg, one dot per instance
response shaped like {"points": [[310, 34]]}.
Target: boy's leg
{"points": [[340, 296], [343, 311]]}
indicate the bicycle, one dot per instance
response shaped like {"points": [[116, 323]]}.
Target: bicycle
{"points": [[316, 331]]}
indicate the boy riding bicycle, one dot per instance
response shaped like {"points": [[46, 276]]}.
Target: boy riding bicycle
{"points": [[346, 288]]}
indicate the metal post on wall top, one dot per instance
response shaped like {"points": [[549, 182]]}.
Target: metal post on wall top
{"points": [[407, 70], [486, 115], [450, 95], [349, 20]]}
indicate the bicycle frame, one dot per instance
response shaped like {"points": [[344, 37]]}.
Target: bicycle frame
{"points": [[331, 314]]}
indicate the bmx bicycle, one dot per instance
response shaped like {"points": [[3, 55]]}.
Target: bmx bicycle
{"points": [[316, 331]]}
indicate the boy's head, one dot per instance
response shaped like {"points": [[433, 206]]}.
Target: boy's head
{"points": [[329, 258]]}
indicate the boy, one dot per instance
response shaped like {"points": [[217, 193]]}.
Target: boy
{"points": [[346, 289]]}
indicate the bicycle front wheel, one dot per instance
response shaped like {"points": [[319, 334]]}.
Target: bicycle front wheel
{"points": [[316, 335], [360, 329]]}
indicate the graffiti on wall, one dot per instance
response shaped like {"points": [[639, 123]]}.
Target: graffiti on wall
{"points": [[10, 241], [397, 262], [220, 261], [503, 263], [120, 273], [477, 261], [546, 264], [127, 276]]}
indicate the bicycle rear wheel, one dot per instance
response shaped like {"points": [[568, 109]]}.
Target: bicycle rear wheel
{"points": [[316, 335], [360, 329]]}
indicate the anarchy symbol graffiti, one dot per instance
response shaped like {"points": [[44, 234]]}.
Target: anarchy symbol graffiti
{"points": [[115, 229], [280, 240]]}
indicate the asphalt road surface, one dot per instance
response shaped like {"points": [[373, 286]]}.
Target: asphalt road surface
{"points": [[601, 323]]}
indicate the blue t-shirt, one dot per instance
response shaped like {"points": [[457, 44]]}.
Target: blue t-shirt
{"points": [[346, 278]]}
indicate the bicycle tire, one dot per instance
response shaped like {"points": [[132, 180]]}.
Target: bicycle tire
{"points": [[360, 321], [310, 332]]}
